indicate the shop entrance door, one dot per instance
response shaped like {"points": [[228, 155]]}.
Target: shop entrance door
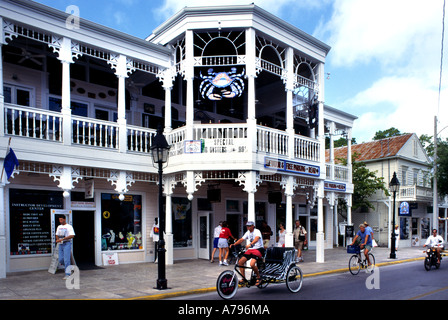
{"points": [[84, 241], [204, 236]]}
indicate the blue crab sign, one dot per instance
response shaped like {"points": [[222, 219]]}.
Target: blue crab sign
{"points": [[218, 85]]}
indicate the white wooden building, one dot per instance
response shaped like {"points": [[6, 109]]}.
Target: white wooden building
{"points": [[240, 94]]}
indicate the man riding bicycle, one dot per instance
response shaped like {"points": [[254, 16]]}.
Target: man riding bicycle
{"points": [[254, 250], [365, 241], [435, 241]]}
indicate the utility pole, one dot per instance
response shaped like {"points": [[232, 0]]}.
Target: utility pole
{"points": [[435, 206]]}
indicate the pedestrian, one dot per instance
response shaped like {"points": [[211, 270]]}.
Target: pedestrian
{"points": [[281, 235], [266, 233], [216, 233], [64, 236], [299, 240], [223, 243], [155, 237], [397, 236]]}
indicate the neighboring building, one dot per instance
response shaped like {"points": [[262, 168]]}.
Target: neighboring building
{"points": [[404, 155], [239, 93]]}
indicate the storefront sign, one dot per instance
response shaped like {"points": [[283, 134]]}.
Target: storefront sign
{"points": [[30, 220], [110, 259], [218, 145], [193, 146], [404, 209], [291, 167], [334, 186]]}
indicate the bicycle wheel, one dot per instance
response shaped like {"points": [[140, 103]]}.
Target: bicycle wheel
{"points": [[294, 279], [372, 259], [227, 284], [354, 265]]}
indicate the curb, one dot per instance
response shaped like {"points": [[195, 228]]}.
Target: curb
{"points": [[211, 289]]}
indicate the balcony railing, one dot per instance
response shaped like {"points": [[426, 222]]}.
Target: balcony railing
{"points": [[337, 172], [414, 193], [211, 138]]}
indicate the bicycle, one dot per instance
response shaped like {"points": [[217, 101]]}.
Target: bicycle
{"points": [[277, 265], [356, 262]]}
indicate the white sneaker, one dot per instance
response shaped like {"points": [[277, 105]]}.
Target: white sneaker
{"points": [[220, 263], [225, 263]]}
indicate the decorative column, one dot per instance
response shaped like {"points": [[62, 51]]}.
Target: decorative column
{"points": [[320, 236], [289, 185], [123, 67], [290, 77], [168, 187], [189, 76], [64, 49], [250, 180], [167, 78], [251, 74]]}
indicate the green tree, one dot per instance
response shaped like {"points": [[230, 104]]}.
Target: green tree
{"points": [[391, 132], [442, 161], [365, 182]]}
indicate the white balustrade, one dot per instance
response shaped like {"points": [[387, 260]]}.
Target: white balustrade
{"points": [[272, 141], [92, 132], [32, 123], [214, 138]]}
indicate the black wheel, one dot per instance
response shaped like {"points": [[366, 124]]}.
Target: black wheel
{"points": [[294, 279], [427, 263], [372, 259], [354, 265], [227, 284]]}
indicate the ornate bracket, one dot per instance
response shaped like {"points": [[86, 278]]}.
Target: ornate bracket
{"points": [[66, 176], [122, 180]]}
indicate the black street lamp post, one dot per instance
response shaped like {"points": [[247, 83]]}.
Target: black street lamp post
{"points": [[160, 152], [394, 186]]}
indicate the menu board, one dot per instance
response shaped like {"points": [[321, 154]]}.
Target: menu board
{"points": [[30, 220]]}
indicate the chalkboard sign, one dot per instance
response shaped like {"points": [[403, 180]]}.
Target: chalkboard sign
{"points": [[30, 220]]}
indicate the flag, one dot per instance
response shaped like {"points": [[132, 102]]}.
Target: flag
{"points": [[10, 163]]}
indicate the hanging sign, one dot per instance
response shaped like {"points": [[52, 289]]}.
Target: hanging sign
{"points": [[291, 167]]}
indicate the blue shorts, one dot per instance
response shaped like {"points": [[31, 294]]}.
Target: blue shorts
{"points": [[215, 242]]}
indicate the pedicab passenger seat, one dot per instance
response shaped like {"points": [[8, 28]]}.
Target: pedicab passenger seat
{"points": [[278, 260]]}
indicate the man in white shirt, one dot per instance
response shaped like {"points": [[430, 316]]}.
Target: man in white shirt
{"points": [[435, 241], [64, 236], [254, 249]]}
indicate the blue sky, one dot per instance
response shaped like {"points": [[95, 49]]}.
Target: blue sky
{"points": [[384, 63]]}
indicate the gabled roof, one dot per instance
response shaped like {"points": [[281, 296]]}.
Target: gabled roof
{"points": [[373, 150]]}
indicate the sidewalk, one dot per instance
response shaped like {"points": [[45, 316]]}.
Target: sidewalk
{"points": [[137, 281]]}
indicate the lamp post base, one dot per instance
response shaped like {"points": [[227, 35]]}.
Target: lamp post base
{"points": [[162, 284]]}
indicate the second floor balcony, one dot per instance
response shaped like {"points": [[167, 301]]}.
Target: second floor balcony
{"points": [[204, 146]]}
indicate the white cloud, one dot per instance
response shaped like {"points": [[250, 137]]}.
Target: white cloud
{"points": [[384, 31], [401, 40]]}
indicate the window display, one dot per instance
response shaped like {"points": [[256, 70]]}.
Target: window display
{"points": [[121, 225], [182, 230]]}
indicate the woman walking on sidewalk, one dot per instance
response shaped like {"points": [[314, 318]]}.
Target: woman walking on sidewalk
{"points": [[223, 243]]}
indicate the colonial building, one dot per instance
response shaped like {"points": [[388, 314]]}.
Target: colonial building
{"points": [[405, 156], [239, 93]]}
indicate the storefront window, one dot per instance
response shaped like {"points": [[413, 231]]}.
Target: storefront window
{"points": [[121, 225], [30, 220], [182, 231]]}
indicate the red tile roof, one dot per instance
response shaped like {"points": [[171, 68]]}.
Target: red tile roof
{"points": [[376, 149]]}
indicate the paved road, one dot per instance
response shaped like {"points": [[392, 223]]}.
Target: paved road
{"points": [[408, 281]]}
